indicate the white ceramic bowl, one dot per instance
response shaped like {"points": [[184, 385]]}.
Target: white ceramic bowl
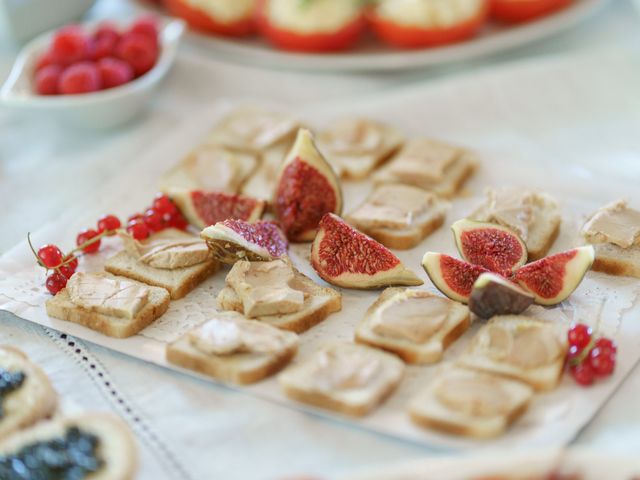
{"points": [[103, 109]]}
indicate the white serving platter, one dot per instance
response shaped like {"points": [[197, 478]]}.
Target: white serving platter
{"points": [[371, 55], [542, 125]]}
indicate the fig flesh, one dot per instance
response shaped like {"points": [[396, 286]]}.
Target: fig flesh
{"points": [[552, 279], [489, 245], [345, 257], [453, 277], [233, 240], [307, 189], [492, 294], [202, 208]]}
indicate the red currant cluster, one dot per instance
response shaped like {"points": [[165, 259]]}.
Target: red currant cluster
{"points": [[64, 266], [160, 215], [80, 63], [589, 357]]}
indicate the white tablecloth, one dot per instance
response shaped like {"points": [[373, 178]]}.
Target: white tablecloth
{"points": [[45, 168]]}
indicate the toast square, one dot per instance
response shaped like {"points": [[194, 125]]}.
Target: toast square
{"points": [[32, 401], [356, 146], [417, 213], [61, 307], [237, 368], [469, 403], [347, 378], [429, 350], [178, 281], [460, 164], [318, 304], [519, 347], [616, 260]]}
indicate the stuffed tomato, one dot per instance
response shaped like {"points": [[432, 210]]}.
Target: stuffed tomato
{"points": [[233, 18], [427, 23], [311, 25], [514, 11]]}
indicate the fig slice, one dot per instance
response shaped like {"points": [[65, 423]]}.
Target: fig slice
{"points": [[203, 208], [233, 240], [552, 279], [453, 277], [489, 245], [345, 257], [492, 294], [307, 189]]}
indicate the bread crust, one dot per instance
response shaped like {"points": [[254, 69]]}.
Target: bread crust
{"points": [[61, 307], [405, 239], [541, 252], [37, 388], [618, 267]]}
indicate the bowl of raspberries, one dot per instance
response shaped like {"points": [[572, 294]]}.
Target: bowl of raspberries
{"points": [[97, 75]]}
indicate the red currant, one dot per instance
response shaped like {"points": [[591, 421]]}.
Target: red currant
{"points": [[579, 335], [81, 77], [108, 223], [55, 282], [138, 230], [73, 262], [50, 255], [163, 204], [47, 80], [69, 45], [606, 345], [178, 221], [602, 362], [583, 374], [136, 217], [139, 51], [84, 237], [154, 220], [66, 270], [574, 353]]}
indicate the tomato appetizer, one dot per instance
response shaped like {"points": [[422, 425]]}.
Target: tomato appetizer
{"points": [[338, 25], [77, 61]]}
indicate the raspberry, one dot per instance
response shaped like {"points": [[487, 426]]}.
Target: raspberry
{"points": [[138, 51], [108, 223], [69, 45], [56, 282], [138, 230], [50, 256], [44, 60], [146, 25], [107, 30], [114, 72], [82, 77], [583, 374], [84, 237], [47, 79]]}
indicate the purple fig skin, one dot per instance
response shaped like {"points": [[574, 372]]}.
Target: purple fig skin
{"points": [[495, 295]]}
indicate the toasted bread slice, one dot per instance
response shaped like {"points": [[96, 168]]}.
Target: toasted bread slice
{"points": [[399, 216], [116, 445], [355, 146], [428, 350], [211, 168], [616, 260], [262, 183], [347, 378], [519, 347], [470, 403], [32, 401], [543, 230], [61, 306], [178, 281], [318, 304], [414, 164], [238, 367]]}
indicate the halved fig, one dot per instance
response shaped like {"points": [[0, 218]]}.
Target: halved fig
{"points": [[233, 240], [307, 189], [345, 257], [453, 277], [552, 279], [491, 246], [492, 294], [202, 209]]}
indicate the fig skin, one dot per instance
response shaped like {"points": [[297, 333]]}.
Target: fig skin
{"points": [[493, 295]]}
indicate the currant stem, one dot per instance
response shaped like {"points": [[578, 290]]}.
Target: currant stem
{"points": [[34, 251]]}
